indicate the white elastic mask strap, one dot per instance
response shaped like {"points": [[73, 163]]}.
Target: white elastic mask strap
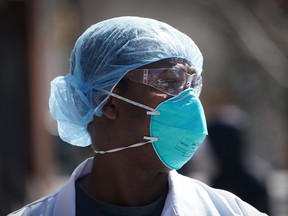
{"points": [[150, 112], [150, 140]]}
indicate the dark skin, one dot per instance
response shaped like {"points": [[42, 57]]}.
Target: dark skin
{"points": [[135, 176]]}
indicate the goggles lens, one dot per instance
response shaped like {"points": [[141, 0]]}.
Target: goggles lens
{"points": [[171, 81]]}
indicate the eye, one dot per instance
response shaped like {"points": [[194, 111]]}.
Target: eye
{"points": [[167, 83], [169, 80]]}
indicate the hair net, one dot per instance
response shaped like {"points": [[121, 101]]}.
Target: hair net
{"points": [[102, 55]]}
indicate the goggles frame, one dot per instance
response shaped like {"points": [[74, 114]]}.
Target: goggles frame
{"points": [[171, 81]]}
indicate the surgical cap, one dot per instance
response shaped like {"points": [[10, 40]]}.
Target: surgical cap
{"points": [[102, 55]]}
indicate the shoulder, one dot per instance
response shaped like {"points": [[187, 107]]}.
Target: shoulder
{"points": [[43, 206], [56, 203], [208, 199]]}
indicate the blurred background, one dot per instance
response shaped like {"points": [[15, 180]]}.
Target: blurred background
{"points": [[245, 94]]}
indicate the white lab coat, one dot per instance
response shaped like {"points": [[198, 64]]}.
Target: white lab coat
{"points": [[186, 196]]}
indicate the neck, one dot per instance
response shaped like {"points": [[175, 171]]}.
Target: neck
{"points": [[119, 184]]}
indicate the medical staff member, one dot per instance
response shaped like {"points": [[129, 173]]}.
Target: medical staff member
{"points": [[132, 92]]}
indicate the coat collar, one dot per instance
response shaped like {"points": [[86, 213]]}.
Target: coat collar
{"points": [[65, 203], [179, 200]]}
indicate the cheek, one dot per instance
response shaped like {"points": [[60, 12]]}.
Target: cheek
{"points": [[156, 97], [142, 124], [134, 123]]}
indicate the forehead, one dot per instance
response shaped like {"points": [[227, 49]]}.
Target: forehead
{"points": [[165, 63]]}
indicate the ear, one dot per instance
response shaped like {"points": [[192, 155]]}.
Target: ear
{"points": [[109, 109]]}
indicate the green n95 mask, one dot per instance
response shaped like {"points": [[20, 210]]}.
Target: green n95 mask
{"points": [[177, 128]]}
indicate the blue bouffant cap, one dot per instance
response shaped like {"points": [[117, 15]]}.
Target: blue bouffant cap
{"points": [[102, 55]]}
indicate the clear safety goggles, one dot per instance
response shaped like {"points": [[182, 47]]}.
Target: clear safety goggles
{"points": [[171, 81]]}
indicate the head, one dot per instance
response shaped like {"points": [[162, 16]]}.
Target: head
{"points": [[122, 124], [102, 56]]}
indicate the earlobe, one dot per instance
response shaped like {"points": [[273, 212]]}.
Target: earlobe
{"points": [[109, 110]]}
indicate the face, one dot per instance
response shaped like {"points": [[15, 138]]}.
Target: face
{"points": [[134, 123], [123, 124], [143, 94]]}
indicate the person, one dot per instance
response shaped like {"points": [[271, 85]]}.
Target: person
{"points": [[227, 138], [132, 92]]}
